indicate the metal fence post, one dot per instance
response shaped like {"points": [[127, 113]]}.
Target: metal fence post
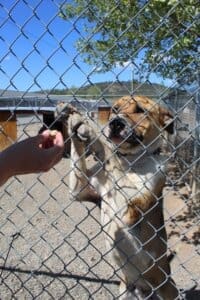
{"points": [[196, 167]]}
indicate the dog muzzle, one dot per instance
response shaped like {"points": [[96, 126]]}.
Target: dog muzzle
{"points": [[121, 131]]}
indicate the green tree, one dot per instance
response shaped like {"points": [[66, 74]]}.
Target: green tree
{"points": [[165, 33]]}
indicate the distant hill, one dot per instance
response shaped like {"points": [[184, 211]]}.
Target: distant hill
{"points": [[106, 91], [115, 89]]}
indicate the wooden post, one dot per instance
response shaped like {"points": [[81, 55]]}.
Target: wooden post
{"points": [[103, 114], [8, 129]]}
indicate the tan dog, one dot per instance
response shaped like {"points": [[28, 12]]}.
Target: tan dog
{"points": [[128, 178]]}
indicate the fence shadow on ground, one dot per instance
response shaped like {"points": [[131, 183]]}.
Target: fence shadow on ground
{"points": [[191, 294]]}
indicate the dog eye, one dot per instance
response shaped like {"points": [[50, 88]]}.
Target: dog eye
{"points": [[139, 110]]}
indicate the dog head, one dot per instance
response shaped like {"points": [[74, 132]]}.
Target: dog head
{"points": [[135, 124]]}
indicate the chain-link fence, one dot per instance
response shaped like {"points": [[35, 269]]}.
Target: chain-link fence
{"points": [[53, 247]]}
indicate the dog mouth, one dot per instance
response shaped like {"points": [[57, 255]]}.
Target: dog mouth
{"points": [[120, 132]]}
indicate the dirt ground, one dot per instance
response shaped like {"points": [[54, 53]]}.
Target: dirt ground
{"points": [[53, 248]]}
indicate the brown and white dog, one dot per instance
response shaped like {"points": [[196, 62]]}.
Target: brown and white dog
{"points": [[128, 178]]}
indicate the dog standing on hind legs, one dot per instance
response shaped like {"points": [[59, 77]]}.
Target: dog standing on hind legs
{"points": [[128, 178]]}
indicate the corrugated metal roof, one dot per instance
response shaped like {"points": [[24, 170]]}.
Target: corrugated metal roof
{"points": [[12, 100], [28, 109]]}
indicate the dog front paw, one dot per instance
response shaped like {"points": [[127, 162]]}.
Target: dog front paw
{"points": [[77, 127], [64, 110]]}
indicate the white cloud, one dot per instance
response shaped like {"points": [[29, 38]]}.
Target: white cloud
{"points": [[124, 64], [8, 57]]}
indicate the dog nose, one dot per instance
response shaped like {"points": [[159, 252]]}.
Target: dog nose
{"points": [[117, 124]]}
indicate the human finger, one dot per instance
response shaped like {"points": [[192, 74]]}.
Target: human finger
{"points": [[48, 139], [58, 140]]}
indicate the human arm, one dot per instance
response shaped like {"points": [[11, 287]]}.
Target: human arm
{"points": [[32, 155]]}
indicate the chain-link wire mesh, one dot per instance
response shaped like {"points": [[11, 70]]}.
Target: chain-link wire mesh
{"points": [[53, 247]]}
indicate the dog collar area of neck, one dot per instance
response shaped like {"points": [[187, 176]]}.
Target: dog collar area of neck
{"points": [[151, 151]]}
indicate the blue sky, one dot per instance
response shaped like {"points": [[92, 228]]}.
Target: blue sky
{"points": [[37, 49]]}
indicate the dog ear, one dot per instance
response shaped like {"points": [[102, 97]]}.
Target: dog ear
{"points": [[167, 120]]}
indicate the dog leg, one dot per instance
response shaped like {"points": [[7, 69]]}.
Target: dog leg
{"points": [[82, 137], [140, 205], [169, 291], [127, 293]]}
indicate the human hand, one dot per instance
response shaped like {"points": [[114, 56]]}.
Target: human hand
{"points": [[34, 154], [52, 142]]}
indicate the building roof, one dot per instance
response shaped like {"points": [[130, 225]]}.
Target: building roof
{"points": [[16, 101]]}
